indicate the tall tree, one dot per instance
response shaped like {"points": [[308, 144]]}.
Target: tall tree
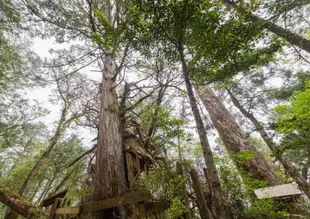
{"points": [[102, 32], [234, 139], [288, 166]]}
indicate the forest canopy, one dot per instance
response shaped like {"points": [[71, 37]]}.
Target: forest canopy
{"points": [[154, 109]]}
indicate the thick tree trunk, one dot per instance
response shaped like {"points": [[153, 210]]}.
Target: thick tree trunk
{"points": [[19, 205], [289, 36], [235, 141], [213, 178], [201, 201], [291, 170], [109, 175]]}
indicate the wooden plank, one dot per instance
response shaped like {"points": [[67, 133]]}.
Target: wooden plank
{"points": [[142, 210], [277, 191], [50, 200], [72, 210], [114, 202], [156, 207], [130, 169]]}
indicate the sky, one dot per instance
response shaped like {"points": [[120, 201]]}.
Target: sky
{"points": [[41, 47]]}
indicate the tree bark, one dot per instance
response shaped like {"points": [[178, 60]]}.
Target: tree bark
{"points": [[201, 202], [235, 141], [109, 175], [287, 35], [179, 171], [213, 178], [19, 205], [291, 170]]}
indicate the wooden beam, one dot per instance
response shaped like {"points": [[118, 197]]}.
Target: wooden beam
{"points": [[114, 202], [72, 210], [50, 200]]}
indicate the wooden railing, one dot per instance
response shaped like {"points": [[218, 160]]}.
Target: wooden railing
{"points": [[138, 198]]}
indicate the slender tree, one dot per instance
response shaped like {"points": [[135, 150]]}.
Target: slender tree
{"points": [[288, 166]]}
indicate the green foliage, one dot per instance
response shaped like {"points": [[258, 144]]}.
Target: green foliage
{"points": [[265, 209], [218, 45], [166, 128], [294, 124], [297, 83], [177, 208], [279, 7], [167, 186], [9, 13], [295, 117], [239, 185]]}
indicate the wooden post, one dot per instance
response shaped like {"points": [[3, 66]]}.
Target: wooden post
{"points": [[142, 210], [130, 169], [201, 202], [54, 207], [179, 170]]}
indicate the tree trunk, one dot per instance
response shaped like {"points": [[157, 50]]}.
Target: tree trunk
{"points": [[213, 178], [291, 170], [235, 141], [19, 205], [109, 175], [289, 36], [46, 189], [179, 170], [201, 201], [45, 155], [32, 174]]}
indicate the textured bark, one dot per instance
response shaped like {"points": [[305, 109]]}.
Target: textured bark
{"points": [[212, 178], [201, 202], [109, 175], [179, 171], [235, 141], [289, 36], [19, 205], [290, 169]]}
